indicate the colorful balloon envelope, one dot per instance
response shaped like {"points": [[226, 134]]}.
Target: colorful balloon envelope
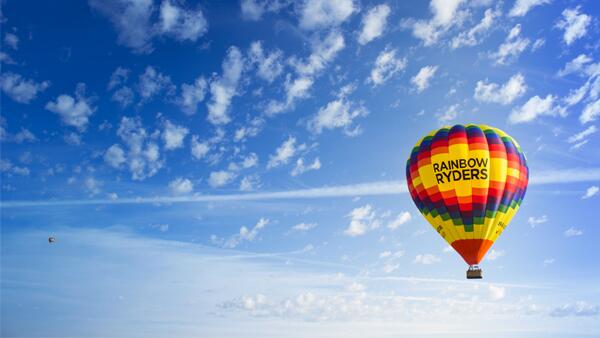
{"points": [[468, 182]]}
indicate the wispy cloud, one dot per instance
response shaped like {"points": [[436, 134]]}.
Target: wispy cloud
{"points": [[562, 176]]}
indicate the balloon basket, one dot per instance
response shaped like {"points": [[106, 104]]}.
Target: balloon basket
{"points": [[474, 272]]}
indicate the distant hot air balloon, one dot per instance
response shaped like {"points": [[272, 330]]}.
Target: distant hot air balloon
{"points": [[468, 182]]}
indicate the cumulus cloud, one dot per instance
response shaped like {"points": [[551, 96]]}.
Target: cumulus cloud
{"points": [[590, 112], [75, 110], [284, 152], [362, 219], [191, 95], [577, 65], [374, 23], [220, 178], [115, 156], [198, 148], [473, 36], [449, 114], [250, 183], [20, 89], [445, 15], [11, 40], [323, 51], [246, 234], [402, 218], [578, 309], [136, 22], [181, 186], [173, 135], [511, 48], [423, 77], [426, 259], [143, 154], [574, 24], [180, 23], [339, 113], [304, 226], [495, 254], [590, 192], [301, 168], [496, 292], [268, 65], [534, 108], [319, 14], [505, 94], [572, 232], [224, 88], [152, 83], [386, 66], [521, 7], [535, 221]]}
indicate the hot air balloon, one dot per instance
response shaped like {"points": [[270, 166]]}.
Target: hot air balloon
{"points": [[468, 182]]}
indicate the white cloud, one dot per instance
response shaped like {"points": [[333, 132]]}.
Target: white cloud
{"points": [[386, 66], [421, 80], [123, 96], [521, 7], [11, 40], [511, 48], [115, 156], [24, 135], [160, 227], [73, 111], [254, 9], [535, 221], [301, 168], [362, 219], [426, 259], [495, 254], [505, 94], [152, 82], [118, 77], [250, 183], [132, 20], [7, 167], [284, 153], [374, 23], [224, 88], [576, 65], [181, 186], [496, 292], [402, 218], [445, 15], [323, 51], [20, 89], [220, 178], [472, 37], [548, 261], [92, 186], [250, 161], [339, 113], [246, 234], [572, 232], [579, 137], [180, 23], [173, 135], [318, 14], [304, 226], [199, 149], [449, 114], [591, 192], [537, 44], [268, 66], [533, 108], [191, 95], [574, 24], [137, 22], [578, 309], [590, 112], [143, 155]]}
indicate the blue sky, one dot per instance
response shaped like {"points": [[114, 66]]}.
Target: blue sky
{"points": [[237, 168]]}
